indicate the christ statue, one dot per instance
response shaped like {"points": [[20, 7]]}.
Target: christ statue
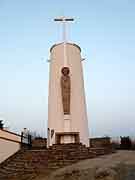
{"points": [[65, 89]]}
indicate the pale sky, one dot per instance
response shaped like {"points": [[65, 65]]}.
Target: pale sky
{"points": [[105, 31]]}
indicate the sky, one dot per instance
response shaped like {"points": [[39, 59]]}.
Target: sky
{"points": [[105, 31]]}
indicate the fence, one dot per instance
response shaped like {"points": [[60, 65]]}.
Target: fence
{"points": [[26, 141]]}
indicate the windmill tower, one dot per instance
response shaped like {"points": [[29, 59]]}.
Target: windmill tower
{"points": [[67, 116]]}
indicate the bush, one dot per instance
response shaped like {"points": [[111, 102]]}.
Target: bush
{"points": [[126, 143]]}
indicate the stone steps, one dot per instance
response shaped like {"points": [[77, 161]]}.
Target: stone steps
{"points": [[29, 162], [21, 177]]}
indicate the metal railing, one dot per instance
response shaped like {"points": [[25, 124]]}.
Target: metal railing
{"points": [[26, 140]]}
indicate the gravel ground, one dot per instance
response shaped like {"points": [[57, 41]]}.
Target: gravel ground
{"points": [[117, 166]]}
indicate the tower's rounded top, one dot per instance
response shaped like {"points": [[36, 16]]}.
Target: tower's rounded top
{"points": [[73, 44]]}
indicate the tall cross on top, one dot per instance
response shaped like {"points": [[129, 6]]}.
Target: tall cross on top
{"points": [[64, 21]]}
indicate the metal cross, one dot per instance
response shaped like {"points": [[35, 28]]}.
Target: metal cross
{"points": [[64, 21]]}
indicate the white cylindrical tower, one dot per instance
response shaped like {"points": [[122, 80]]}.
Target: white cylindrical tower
{"points": [[72, 127]]}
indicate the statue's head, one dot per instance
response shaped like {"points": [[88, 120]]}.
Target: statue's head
{"points": [[65, 71]]}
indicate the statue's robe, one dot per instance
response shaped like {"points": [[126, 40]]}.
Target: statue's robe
{"points": [[65, 92]]}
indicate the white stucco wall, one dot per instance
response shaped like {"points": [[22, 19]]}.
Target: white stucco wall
{"points": [[10, 135], [7, 148], [9, 144], [78, 116]]}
